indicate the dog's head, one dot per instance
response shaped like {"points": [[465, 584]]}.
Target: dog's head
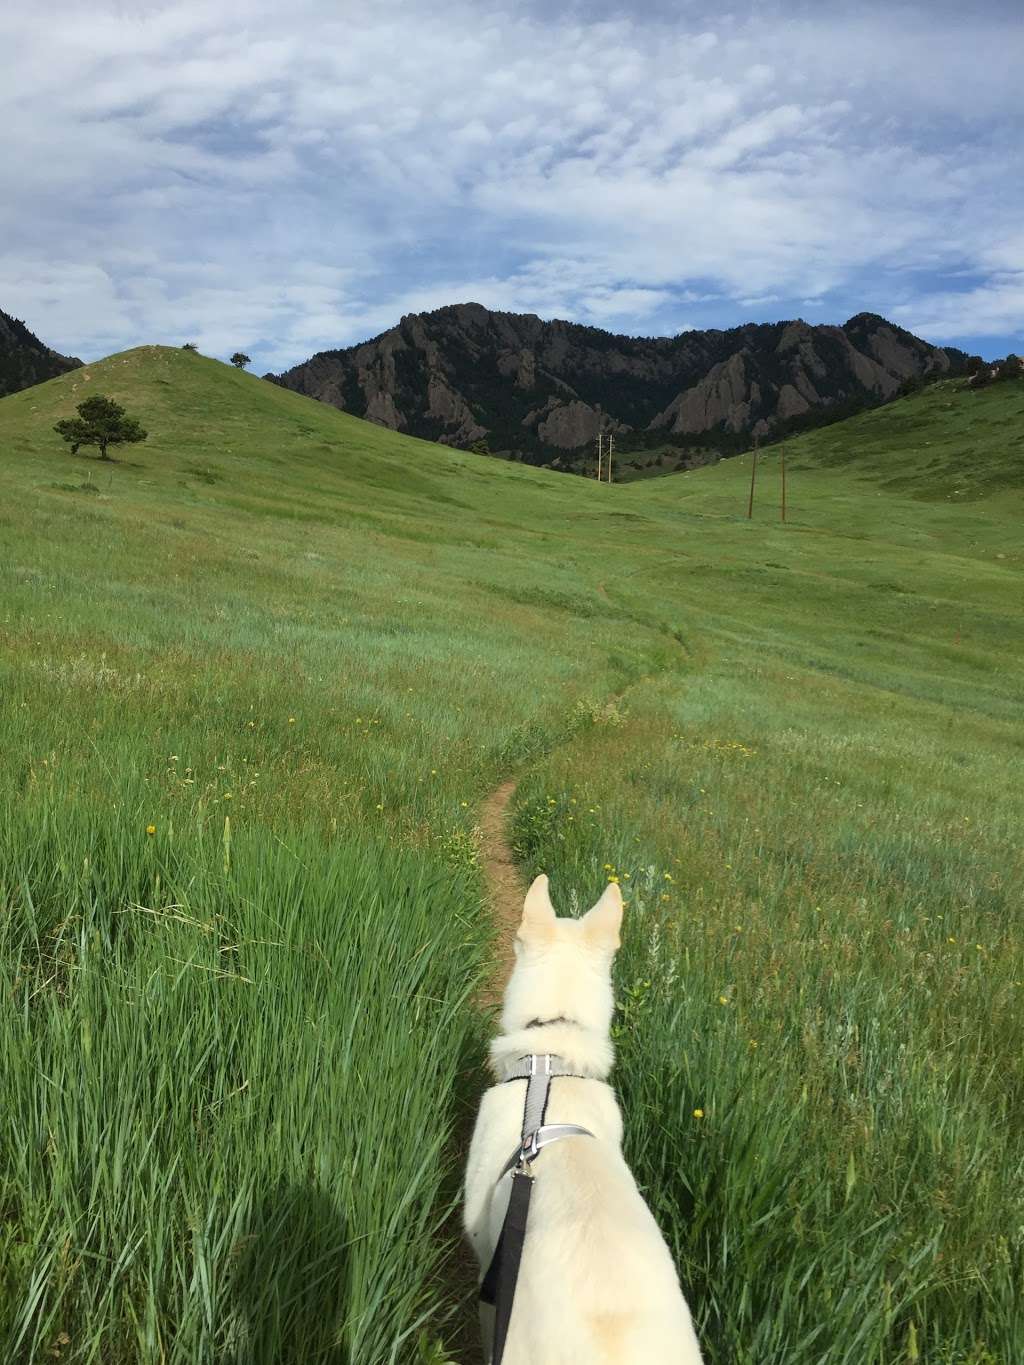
{"points": [[563, 966]]}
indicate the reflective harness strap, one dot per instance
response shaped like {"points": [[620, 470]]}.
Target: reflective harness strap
{"points": [[499, 1284]]}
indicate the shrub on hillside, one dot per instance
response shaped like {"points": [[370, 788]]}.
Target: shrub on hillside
{"points": [[100, 422]]}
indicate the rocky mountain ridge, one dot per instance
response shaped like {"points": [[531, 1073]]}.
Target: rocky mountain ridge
{"points": [[24, 360], [541, 391]]}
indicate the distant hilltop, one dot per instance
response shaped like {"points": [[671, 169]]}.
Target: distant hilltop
{"points": [[24, 360], [510, 383]]}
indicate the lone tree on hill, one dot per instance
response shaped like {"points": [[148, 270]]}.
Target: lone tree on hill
{"points": [[100, 422], [189, 346], [240, 360]]}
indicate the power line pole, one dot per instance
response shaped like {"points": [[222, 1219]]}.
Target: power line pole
{"points": [[600, 466], [611, 452], [753, 476]]}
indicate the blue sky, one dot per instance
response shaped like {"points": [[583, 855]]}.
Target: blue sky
{"points": [[287, 178]]}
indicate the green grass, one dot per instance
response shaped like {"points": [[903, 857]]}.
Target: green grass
{"points": [[238, 1051]]}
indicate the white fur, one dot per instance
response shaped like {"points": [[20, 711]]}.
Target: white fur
{"points": [[596, 1282]]}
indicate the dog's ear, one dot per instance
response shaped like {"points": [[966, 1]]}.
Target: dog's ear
{"points": [[601, 924], [538, 912]]}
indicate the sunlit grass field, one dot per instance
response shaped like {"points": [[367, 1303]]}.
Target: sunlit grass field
{"points": [[257, 679]]}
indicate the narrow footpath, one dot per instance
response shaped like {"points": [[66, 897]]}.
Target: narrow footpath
{"points": [[505, 889]]}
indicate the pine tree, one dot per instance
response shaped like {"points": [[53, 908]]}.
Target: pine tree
{"points": [[100, 422]]}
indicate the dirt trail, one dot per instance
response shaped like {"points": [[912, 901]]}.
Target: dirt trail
{"points": [[505, 889], [505, 893]]}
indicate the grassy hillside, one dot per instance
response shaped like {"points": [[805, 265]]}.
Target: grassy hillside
{"points": [[257, 679], [945, 444]]}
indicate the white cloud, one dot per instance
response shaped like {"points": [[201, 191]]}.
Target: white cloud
{"points": [[289, 178], [993, 309]]}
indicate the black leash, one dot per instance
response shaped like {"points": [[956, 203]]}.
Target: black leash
{"points": [[499, 1285], [498, 1288]]}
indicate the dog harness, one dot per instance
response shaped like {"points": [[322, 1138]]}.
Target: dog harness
{"points": [[498, 1287]]}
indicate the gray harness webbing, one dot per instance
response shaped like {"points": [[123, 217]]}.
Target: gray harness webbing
{"points": [[537, 1071], [499, 1284]]}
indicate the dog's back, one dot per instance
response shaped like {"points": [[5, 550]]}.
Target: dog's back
{"points": [[596, 1282]]}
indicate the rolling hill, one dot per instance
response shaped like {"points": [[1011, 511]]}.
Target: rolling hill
{"points": [[258, 679]]}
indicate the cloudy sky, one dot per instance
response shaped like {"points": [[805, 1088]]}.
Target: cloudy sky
{"points": [[289, 177]]}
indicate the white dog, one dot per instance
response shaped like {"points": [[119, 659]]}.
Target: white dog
{"points": [[596, 1282]]}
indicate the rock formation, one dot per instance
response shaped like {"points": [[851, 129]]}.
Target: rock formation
{"points": [[542, 390]]}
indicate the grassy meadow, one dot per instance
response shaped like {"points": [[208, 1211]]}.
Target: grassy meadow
{"points": [[256, 679]]}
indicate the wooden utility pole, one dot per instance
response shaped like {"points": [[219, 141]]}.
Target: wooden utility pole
{"points": [[611, 452], [600, 465], [782, 456], [753, 476]]}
